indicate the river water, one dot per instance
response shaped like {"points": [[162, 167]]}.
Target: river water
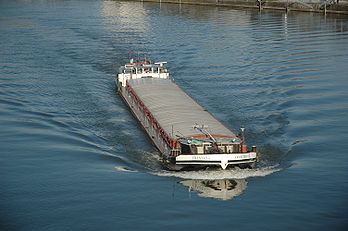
{"points": [[72, 157]]}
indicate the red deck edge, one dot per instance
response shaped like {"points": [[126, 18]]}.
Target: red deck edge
{"points": [[173, 143]]}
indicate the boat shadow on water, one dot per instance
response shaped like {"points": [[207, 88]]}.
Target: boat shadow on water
{"points": [[225, 189]]}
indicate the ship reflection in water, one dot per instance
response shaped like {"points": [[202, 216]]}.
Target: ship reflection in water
{"points": [[225, 189]]}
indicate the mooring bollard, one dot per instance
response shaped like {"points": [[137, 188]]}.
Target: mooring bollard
{"points": [[259, 2], [287, 6]]}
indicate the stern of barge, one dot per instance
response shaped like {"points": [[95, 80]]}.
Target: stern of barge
{"points": [[214, 150]]}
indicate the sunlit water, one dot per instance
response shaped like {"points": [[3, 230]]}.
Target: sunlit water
{"points": [[73, 157]]}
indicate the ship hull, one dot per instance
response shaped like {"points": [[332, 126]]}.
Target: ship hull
{"points": [[182, 161], [183, 131]]}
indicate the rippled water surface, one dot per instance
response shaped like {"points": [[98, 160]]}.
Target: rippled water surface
{"points": [[72, 157]]}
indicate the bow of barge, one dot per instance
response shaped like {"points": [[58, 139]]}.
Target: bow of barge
{"points": [[181, 129]]}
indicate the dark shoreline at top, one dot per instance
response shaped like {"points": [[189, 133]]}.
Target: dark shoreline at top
{"points": [[284, 5]]}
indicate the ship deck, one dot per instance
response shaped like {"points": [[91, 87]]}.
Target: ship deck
{"points": [[175, 111]]}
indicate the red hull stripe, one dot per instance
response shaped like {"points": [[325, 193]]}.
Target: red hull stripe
{"points": [[171, 142]]}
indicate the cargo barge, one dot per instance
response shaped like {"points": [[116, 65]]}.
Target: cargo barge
{"points": [[182, 130]]}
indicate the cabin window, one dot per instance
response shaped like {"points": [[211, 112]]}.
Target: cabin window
{"points": [[185, 149], [208, 149], [222, 148]]}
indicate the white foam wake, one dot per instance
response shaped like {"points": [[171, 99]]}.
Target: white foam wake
{"points": [[123, 169], [235, 173]]}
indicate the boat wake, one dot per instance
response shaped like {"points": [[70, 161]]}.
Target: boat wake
{"points": [[124, 169], [235, 173]]}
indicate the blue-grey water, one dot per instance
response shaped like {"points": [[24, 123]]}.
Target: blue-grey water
{"points": [[72, 157]]}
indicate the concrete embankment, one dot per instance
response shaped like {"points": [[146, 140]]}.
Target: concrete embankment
{"points": [[320, 6]]}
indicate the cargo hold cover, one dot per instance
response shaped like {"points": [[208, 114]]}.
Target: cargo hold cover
{"points": [[174, 110]]}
